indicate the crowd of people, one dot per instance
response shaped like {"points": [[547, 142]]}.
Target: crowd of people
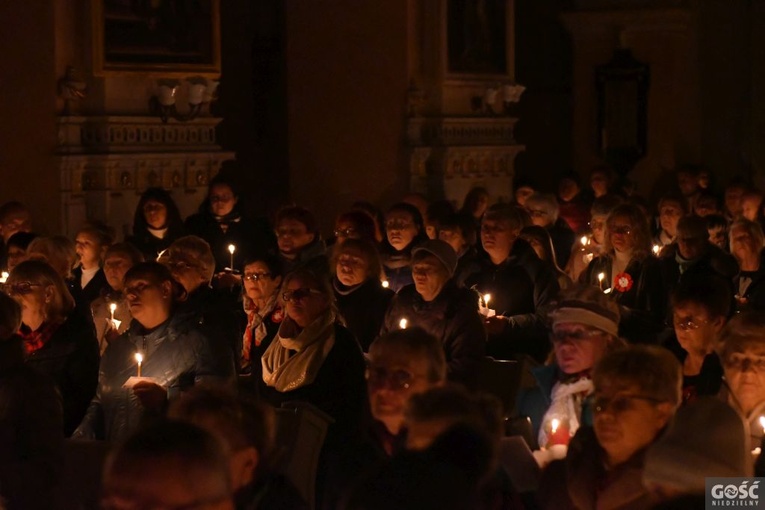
{"points": [[637, 328]]}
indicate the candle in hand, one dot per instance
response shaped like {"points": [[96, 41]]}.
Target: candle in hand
{"points": [[139, 360], [4, 276], [231, 250], [656, 249], [558, 433], [385, 284], [112, 309], [486, 299], [762, 423], [583, 240], [601, 276], [402, 324]]}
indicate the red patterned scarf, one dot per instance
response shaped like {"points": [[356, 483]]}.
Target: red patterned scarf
{"points": [[35, 340]]}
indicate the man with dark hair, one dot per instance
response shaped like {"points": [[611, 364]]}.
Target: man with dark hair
{"points": [[168, 465], [519, 285]]}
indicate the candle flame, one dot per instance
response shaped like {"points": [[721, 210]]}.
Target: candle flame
{"points": [[554, 424], [113, 307], [139, 358], [385, 284], [656, 249], [486, 299], [4, 276], [583, 240], [762, 423], [231, 249], [402, 323], [601, 276]]}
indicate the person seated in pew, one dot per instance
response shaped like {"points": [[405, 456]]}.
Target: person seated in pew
{"points": [[585, 325]]}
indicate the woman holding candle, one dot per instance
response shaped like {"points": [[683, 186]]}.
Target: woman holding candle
{"points": [[404, 230], [156, 224], [361, 299], [174, 356], [58, 340], [631, 275], [585, 325]]}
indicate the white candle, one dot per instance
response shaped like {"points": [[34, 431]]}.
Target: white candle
{"points": [[139, 360], [112, 309], [583, 240], [762, 423], [231, 250], [486, 299], [601, 276], [402, 324], [385, 284], [4, 276], [656, 249]]}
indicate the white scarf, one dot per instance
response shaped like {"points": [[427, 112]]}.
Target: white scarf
{"points": [[286, 372], [566, 406]]}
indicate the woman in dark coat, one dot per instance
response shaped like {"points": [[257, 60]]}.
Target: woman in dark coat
{"points": [[58, 340], [631, 275], [156, 224], [404, 230], [746, 245], [361, 298], [173, 356]]}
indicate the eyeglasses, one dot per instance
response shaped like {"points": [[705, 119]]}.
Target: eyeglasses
{"points": [[20, 288], [689, 324], [619, 403], [379, 377], [741, 362], [345, 232], [578, 335], [293, 296], [398, 224], [254, 277], [622, 231]]}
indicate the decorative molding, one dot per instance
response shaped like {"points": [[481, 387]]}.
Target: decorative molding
{"points": [[448, 131]]}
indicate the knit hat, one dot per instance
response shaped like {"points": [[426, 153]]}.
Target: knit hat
{"points": [[441, 250], [602, 315], [706, 438]]}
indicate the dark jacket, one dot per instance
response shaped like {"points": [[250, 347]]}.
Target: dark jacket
{"points": [[270, 492], [249, 237], [644, 306], [520, 288], [92, 291], [312, 257], [175, 355], [70, 358], [707, 382], [151, 246], [218, 316], [363, 308], [753, 297], [714, 262], [398, 270], [453, 318], [563, 239], [31, 439]]}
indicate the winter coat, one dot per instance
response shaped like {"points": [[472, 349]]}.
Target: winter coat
{"points": [[707, 382], [453, 318], [95, 288], [520, 287], [151, 246], [31, 439], [753, 297], [174, 354], [70, 358], [363, 308], [644, 305], [714, 262]]}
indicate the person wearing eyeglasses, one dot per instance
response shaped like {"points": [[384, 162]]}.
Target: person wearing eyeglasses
{"points": [[402, 363], [700, 309], [360, 296], [214, 312], [544, 210], [299, 240], [636, 393], [156, 224], [59, 341], [584, 327], [265, 311], [741, 347], [404, 230], [173, 356], [629, 273]]}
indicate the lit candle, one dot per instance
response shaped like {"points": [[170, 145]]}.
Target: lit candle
{"points": [[402, 324], [4, 276], [762, 423], [139, 360], [231, 250], [559, 433], [554, 424], [385, 284], [656, 249], [112, 309], [486, 299], [583, 240], [601, 276]]}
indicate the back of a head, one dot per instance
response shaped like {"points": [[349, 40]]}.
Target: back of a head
{"points": [[710, 292], [744, 331], [413, 342], [706, 438], [193, 248], [692, 227]]}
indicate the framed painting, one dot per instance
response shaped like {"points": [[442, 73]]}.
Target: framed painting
{"points": [[163, 37], [479, 38]]}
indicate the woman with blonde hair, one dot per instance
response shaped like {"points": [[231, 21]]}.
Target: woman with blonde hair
{"points": [[58, 251], [58, 340]]}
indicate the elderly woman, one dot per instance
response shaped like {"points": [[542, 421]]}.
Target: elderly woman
{"points": [[583, 252], [313, 358], [404, 230], [544, 209], [435, 304], [156, 224], [58, 251], [741, 348], [636, 392], [585, 325], [260, 299], [361, 299], [214, 313], [160, 348], [539, 239], [58, 341], [746, 246], [630, 274], [111, 315]]}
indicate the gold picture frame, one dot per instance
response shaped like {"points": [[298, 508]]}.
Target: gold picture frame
{"points": [[166, 38]]}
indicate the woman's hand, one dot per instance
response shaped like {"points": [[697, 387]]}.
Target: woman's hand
{"points": [[152, 396]]}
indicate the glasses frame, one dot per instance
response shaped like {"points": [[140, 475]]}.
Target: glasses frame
{"points": [[289, 295]]}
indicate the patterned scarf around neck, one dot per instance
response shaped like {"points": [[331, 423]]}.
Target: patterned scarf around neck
{"points": [[256, 329], [294, 358], [36, 340]]}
